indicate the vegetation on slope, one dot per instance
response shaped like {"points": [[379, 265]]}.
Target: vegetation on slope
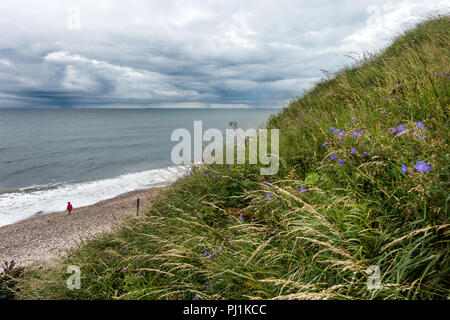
{"points": [[363, 181]]}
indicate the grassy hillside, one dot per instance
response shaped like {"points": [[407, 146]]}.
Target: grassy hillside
{"points": [[373, 192]]}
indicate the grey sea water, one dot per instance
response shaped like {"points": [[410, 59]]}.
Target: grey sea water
{"points": [[51, 156]]}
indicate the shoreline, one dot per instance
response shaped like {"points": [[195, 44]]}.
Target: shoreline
{"points": [[45, 238]]}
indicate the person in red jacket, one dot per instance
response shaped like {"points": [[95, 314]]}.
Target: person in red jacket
{"points": [[69, 207]]}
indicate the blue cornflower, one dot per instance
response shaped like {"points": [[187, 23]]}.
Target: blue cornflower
{"points": [[340, 134], [403, 169], [341, 161], [400, 129], [422, 166], [333, 157], [419, 125], [353, 150]]}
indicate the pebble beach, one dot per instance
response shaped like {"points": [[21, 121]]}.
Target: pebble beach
{"points": [[44, 238]]}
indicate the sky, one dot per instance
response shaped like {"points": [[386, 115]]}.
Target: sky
{"points": [[171, 53]]}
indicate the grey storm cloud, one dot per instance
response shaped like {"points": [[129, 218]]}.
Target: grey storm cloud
{"points": [[186, 53]]}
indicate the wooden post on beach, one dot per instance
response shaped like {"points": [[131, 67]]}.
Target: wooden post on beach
{"points": [[137, 206]]}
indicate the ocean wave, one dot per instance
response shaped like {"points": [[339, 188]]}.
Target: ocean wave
{"points": [[24, 203]]}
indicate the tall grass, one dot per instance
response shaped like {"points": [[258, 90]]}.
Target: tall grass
{"points": [[229, 233]]}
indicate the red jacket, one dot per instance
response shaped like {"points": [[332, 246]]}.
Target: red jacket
{"points": [[69, 207]]}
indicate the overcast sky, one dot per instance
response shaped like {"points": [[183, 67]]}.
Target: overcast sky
{"points": [[118, 53]]}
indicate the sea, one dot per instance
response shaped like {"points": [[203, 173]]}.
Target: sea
{"points": [[51, 156]]}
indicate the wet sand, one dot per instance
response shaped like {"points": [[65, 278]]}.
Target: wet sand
{"points": [[45, 238]]}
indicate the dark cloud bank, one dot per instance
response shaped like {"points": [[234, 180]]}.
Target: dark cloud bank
{"points": [[185, 54]]}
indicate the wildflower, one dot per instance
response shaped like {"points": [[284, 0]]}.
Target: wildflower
{"points": [[139, 276], [400, 129], [196, 297], [355, 134], [341, 161], [324, 144], [228, 236], [212, 256], [419, 125], [207, 286], [332, 129], [422, 166], [124, 269], [183, 295], [353, 150], [341, 134], [268, 196], [205, 253], [333, 157], [395, 96], [403, 169], [303, 189], [241, 218], [219, 248], [353, 119], [365, 154]]}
